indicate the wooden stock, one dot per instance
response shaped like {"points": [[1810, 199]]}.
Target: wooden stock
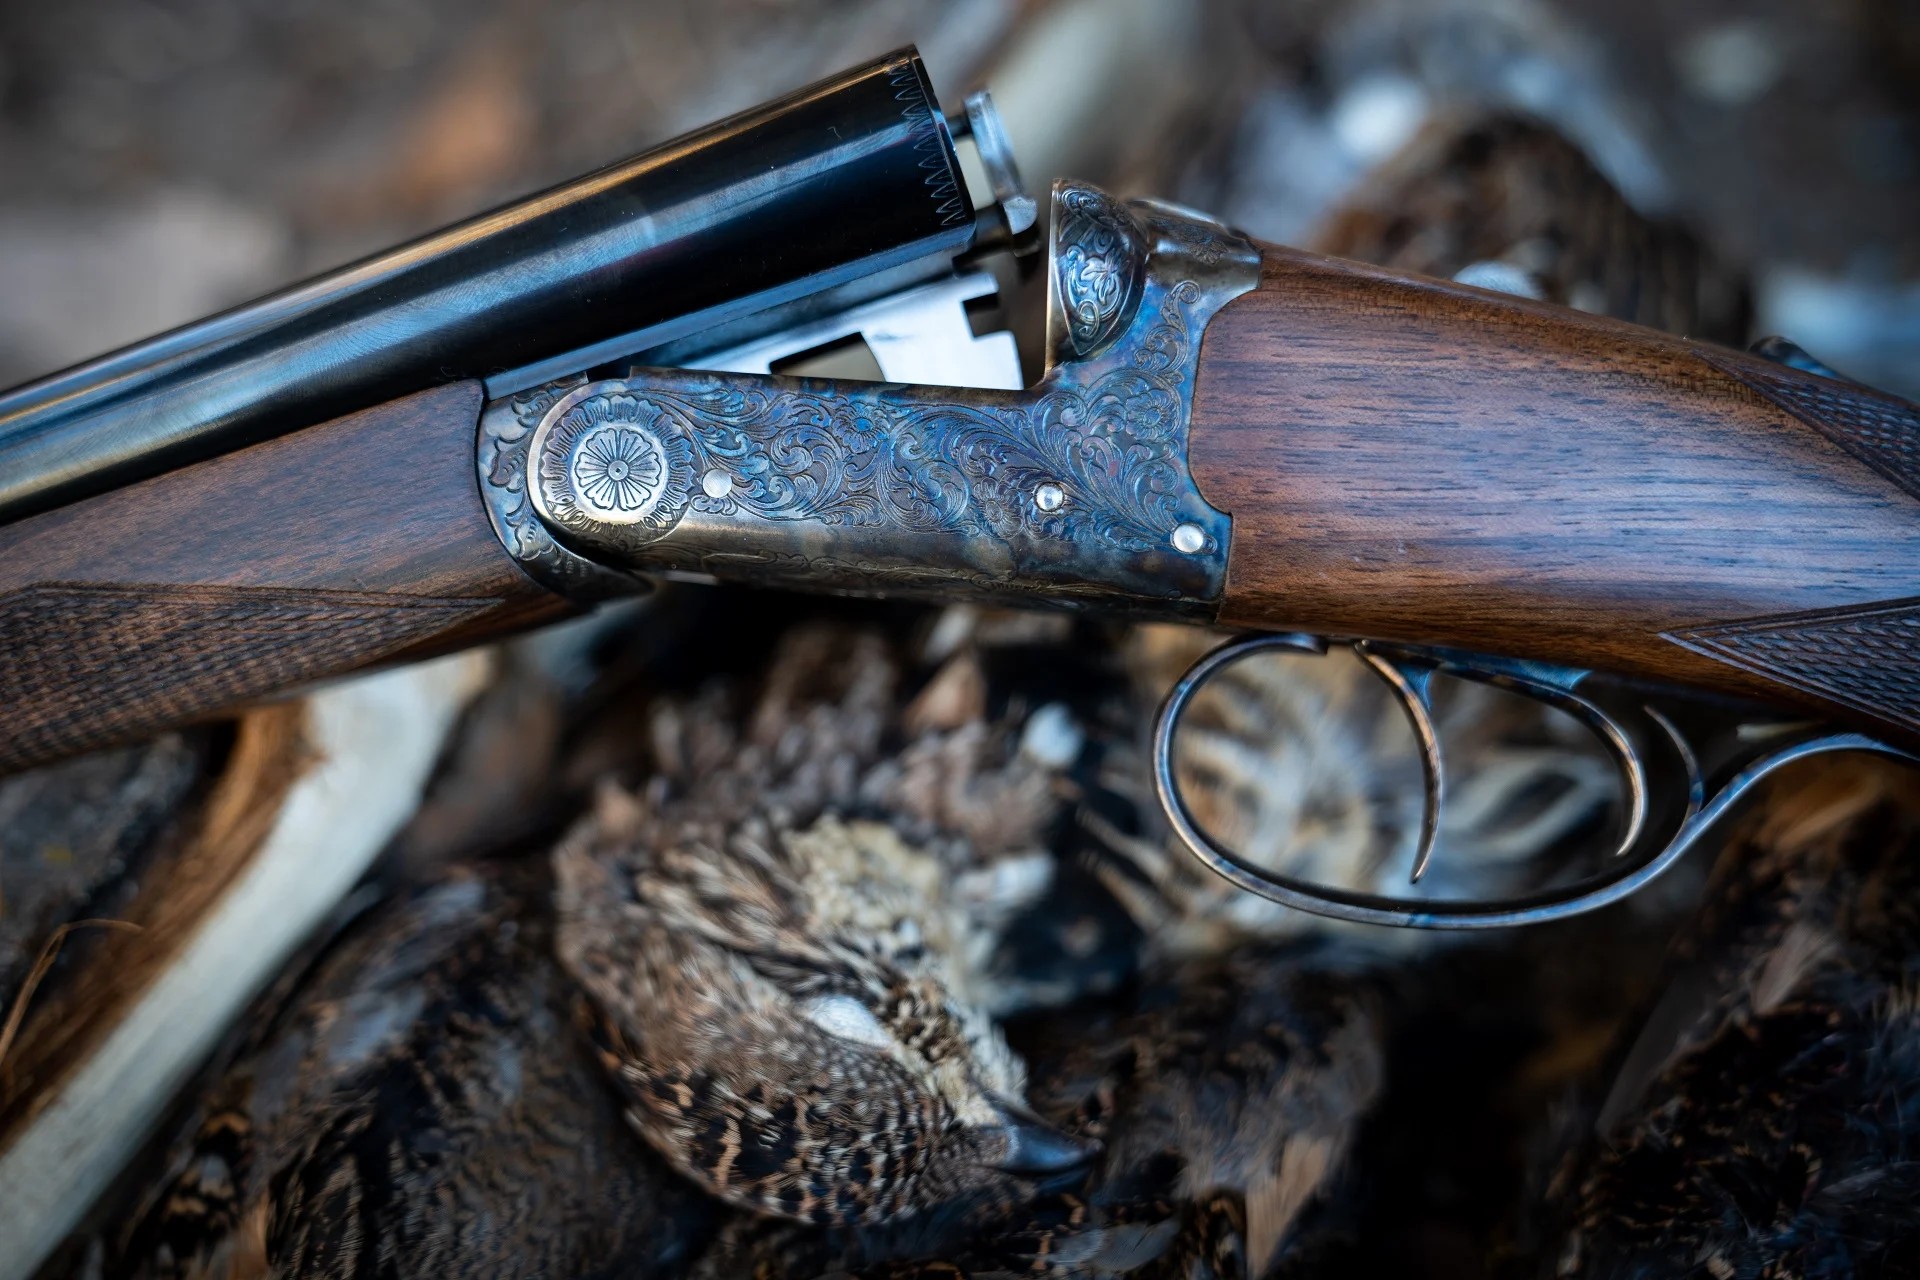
{"points": [[1416, 460], [305, 557], [1404, 459]]}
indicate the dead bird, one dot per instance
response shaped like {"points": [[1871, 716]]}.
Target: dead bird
{"points": [[423, 1105], [786, 987], [1064, 1238], [1245, 1076], [1305, 765], [1763, 1123], [1226, 1094], [73, 835]]}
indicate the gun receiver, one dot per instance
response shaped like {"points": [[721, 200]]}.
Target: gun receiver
{"points": [[1226, 431]]}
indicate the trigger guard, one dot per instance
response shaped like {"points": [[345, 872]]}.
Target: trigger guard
{"points": [[1696, 812]]}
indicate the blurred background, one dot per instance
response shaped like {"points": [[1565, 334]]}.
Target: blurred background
{"points": [[1725, 168], [164, 158]]}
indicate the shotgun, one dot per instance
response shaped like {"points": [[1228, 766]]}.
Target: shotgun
{"points": [[1710, 557]]}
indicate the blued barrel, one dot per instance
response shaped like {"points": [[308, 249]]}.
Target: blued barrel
{"points": [[844, 179]]}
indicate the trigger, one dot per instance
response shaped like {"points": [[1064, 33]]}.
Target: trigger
{"points": [[1414, 687]]}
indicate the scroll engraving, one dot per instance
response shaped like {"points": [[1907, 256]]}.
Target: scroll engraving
{"points": [[845, 457], [1866, 658], [506, 431], [1077, 489], [1097, 267], [1074, 490]]}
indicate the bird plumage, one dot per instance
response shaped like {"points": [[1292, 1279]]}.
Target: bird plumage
{"points": [[1244, 1075], [784, 984], [1227, 1095], [1305, 765], [422, 1106], [1763, 1123]]}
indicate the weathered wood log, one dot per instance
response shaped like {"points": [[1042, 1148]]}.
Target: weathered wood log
{"points": [[309, 794]]}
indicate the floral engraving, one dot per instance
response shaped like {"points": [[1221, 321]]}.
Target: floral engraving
{"points": [[617, 472], [1097, 266], [1073, 491], [506, 432], [923, 464], [608, 458], [506, 439]]}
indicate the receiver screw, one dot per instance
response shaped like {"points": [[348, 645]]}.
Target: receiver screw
{"points": [[1049, 496], [1189, 539]]}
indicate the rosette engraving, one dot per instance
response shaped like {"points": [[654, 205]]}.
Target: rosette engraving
{"points": [[612, 460], [506, 432], [618, 473]]}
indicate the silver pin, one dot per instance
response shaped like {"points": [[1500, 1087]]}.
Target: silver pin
{"points": [[1049, 496]]}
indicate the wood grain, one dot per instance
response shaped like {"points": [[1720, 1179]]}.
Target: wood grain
{"points": [[354, 542], [1418, 460]]}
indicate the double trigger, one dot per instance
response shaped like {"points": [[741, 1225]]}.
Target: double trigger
{"points": [[1682, 762]]}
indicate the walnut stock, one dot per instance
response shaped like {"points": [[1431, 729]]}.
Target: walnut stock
{"points": [[355, 542], [1420, 461]]}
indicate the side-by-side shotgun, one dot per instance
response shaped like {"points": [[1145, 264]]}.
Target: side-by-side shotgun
{"points": [[1710, 557]]}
